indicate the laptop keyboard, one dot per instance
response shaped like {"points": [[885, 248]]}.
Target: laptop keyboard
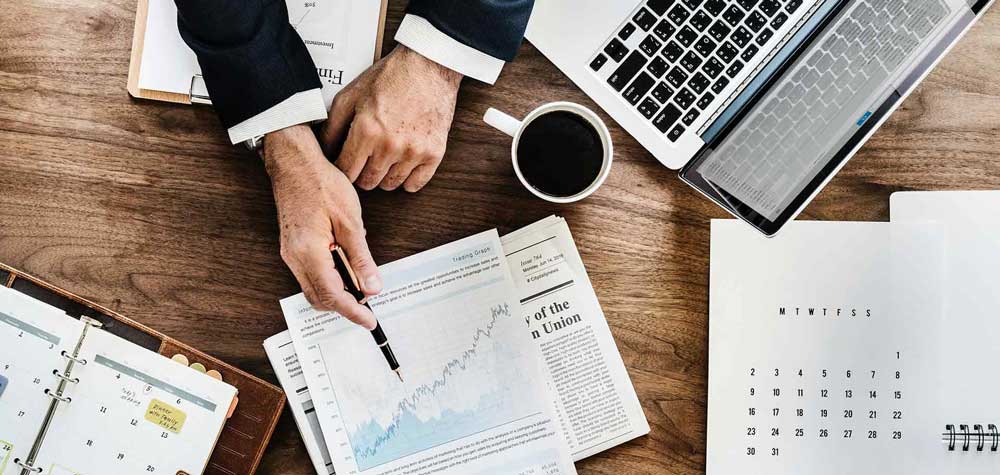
{"points": [[784, 140], [689, 52]]}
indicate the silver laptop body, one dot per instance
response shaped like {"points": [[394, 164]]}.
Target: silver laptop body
{"points": [[758, 103]]}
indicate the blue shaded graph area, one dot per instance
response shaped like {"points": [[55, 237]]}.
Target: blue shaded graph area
{"points": [[423, 419]]}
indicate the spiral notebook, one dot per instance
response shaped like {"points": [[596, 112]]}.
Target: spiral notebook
{"points": [[75, 399], [970, 336]]}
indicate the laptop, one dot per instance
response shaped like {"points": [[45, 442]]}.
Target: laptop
{"points": [[758, 103]]}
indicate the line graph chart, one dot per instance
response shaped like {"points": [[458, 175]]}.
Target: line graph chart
{"points": [[463, 379]]}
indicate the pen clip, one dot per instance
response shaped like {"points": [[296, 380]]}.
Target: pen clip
{"points": [[351, 283]]}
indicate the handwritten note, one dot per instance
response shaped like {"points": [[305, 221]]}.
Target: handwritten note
{"points": [[165, 416]]}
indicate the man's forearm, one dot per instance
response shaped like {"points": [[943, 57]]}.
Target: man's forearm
{"points": [[253, 61], [494, 27]]}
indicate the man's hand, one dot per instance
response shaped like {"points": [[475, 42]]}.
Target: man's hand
{"points": [[390, 125], [318, 207]]}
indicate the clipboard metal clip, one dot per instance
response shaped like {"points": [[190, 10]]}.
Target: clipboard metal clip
{"points": [[199, 91]]}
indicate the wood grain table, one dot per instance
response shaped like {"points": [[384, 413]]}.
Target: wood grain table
{"points": [[145, 208]]}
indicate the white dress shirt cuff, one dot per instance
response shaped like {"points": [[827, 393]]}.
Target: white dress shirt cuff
{"points": [[419, 35], [301, 108]]}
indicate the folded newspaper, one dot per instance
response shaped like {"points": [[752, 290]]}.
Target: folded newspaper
{"points": [[586, 385]]}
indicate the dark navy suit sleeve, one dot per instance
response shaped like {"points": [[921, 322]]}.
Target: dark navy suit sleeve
{"points": [[495, 27], [250, 57]]}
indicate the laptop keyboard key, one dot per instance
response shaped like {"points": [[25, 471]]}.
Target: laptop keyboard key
{"points": [[684, 98], [699, 83], [692, 4], [769, 7], [720, 84], [690, 116], [734, 69], [642, 84], [715, 7], [644, 19], [778, 20], [763, 36], [793, 5], [734, 15], [749, 53], [650, 45], [727, 52], [705, 101], [658, 67], [616, 50], [598, 62], [672, 52], [678, 14], [676, 133], [742, 36], [662, 92], [677, 77], [664, 30], [626, 31], [700, 20], [713, 67], [691, 61], [756, 21], [705, 46], [667, 118], [687, 36], [627, 70], [659, 6], [719, 30], [648, 108]]}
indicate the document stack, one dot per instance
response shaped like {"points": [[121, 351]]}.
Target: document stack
{"points": [[508, 362]]}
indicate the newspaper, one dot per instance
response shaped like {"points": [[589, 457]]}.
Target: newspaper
{"points": [[595, 402]]}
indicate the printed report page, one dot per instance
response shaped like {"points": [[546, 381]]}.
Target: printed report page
{"points": [[281, 352], [472, 399], [596, 405]]}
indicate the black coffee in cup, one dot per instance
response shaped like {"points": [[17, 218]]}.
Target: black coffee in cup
{"points": [[560, 154]]}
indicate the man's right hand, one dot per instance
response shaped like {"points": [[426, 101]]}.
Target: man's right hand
{"points": [[317, 208]]}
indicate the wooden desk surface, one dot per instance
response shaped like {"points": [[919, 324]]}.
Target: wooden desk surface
{"points": [[145, 208]]}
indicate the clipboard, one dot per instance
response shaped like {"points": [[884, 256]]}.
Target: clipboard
{"points": [[248, 430], [198, 92]]}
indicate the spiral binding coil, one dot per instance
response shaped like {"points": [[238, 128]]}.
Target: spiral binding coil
{"points": [[977, 435]]}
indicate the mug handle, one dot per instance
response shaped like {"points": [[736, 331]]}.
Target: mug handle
{"points": [[502, 122]]}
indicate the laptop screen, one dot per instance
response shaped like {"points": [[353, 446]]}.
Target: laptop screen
{"points": [[808, 120]]}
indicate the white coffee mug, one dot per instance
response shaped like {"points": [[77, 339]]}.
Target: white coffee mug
{"points": [[514, 128]]}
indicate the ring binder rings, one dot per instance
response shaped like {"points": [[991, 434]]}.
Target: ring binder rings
{"points": [[65, 378], [27, 468], [977, 435]]}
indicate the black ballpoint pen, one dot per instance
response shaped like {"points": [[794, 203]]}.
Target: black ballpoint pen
{"points": [[353, 287]]}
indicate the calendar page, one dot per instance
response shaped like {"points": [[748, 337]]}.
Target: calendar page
{"points": [[31, 336], [819, 340], [134, 412]]}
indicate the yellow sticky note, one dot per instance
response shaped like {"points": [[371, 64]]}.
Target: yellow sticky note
{"points": [[165, 416]]}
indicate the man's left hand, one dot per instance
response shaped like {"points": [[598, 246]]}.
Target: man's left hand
{"points": [[389, 127]]}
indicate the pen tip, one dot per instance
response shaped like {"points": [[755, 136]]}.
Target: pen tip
{"points": [[398, 375]]}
